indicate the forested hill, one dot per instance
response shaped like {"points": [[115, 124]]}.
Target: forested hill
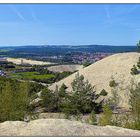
{"points": [[65, 48]]}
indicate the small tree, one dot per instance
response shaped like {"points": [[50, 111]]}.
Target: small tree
{"points": [[82, 99], [62, 90], [92, 118], [85, 94], [103, 92], [106, 117], [114, 100], [50, 100], [113, 83], [53, 100], [135, 104]]}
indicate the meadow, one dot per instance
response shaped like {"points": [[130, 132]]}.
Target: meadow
{"points": [[32, 75]]}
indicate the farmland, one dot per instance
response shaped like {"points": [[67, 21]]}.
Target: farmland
{"points": [[32, 76]]}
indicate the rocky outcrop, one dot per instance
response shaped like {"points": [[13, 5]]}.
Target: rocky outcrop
{"points": [[61, 127]]}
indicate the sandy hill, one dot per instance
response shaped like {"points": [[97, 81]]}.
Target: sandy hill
{"points": [[61, 127], [100, 74], [27, 61], [62, 68]]}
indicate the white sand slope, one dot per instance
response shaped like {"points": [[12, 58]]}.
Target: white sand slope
{"points": [[62, 68], [61, 127], [27, 61], [100, 73]]}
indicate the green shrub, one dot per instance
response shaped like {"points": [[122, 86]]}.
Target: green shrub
{"points": [[86, 63], [92, 118], [106, 116], [14, 101], [104, 92], [113, 83], [135, 105], [53, 100], [49, 100], [134, 70]]}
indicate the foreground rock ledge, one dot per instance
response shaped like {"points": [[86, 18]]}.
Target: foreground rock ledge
{"points": [[61, 127]]}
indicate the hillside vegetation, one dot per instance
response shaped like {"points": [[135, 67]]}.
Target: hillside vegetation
{"points": [[99, 74], [15, 98]]}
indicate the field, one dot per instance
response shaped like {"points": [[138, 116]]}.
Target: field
{"points": [[5, 50], [32, 75]]}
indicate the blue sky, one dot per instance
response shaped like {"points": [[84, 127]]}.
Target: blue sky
{"points": [[73, 24]]}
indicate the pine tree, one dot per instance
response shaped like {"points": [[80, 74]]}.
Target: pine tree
{"points": [[84, 93], [103, 92], [83, 98]]}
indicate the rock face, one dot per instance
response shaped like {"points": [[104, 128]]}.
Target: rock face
{"points": [[61, 127], [100, 74]]}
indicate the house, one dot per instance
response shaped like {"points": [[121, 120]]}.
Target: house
{"points": [[2, 73]]}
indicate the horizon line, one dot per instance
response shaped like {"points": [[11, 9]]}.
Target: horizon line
{"points": [[63, 45]]}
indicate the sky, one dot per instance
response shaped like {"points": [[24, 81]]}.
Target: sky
{"points": [[69, 24]]}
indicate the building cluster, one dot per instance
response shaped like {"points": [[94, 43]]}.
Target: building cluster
{"points": [[2, 73], [76, 58], [90, 57]]}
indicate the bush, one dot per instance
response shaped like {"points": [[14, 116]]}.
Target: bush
{"points": [[104, 92], [14, 101], [86, 63], [106, 116], [49, 100], [92, 118], [113, 83], [134, 70], [70, 108], [53, 100], [135, 105]]}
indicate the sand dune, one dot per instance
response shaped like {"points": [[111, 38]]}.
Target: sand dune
{"points": [[100, 73], [62, 68], [27, 61]]}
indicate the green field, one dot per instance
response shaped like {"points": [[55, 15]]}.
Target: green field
{"points": [[5, 50], [32, 75]]}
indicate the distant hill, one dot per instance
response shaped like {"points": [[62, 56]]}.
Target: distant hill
{"points": [[99, 74], [71, 48]]}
